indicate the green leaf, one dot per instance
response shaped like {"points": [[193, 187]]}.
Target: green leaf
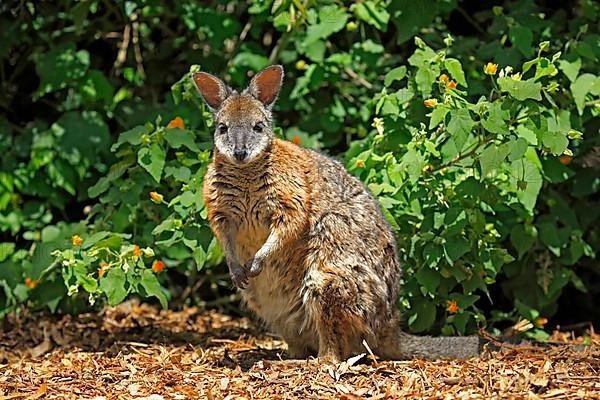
{"points": [[521, 90], [410, 16], [84, 136], [456, 246], [152, 159], [412, 163], [60, 67], [495, 120], [152, 287], [517, 148], [423, 316], [199, 257], [555, 141], [455, 68], [522, 238], [6, 249], [395, 74], [580, 88], [113, 285], [438, 115], [373, 13], [425, 77], [460, 126], [527, 180], [570, 69], [115, 172], [331, 19], [181, 137], [428, 278], [491, 159], [132, 136], [522, 38], [432, 254]]}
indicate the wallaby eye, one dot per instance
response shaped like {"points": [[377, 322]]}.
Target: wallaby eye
{"points": [[222, 128], [259, 127]]}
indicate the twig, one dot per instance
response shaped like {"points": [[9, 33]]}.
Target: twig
{"points": [[358, 78], [122, 54], [371, 355], [471, 20], [240, 40], [136, 47]]}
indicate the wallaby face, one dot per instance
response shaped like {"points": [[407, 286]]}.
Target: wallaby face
{"points": [[243, 122]]}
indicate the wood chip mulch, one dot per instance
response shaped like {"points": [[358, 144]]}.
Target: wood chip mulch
{"points": [[135, 351]]}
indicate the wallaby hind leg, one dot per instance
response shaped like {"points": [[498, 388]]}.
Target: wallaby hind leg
{"points": [[339, 328]]}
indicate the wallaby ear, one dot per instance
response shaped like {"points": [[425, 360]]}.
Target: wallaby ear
{"points": [[266, 84], [212, 89]]}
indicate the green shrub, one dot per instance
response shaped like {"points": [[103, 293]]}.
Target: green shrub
{"points": [[467, 141]]}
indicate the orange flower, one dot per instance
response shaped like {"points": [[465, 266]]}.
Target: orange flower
{"points": [[137, 251], [451, 85], [490, 68], [156, 197], [431, 103], [176, 122], [541, 321], [296, 140], [443, 78], [76, 240], [158, 266], [30, 283], [565, 159], [360, 163], [452, 306], [102, 269]]}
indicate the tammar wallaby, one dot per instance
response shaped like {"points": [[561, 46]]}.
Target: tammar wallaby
{"points": [[305, 242]]}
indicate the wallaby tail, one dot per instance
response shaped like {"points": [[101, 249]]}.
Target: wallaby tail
{"points": [[401, 346]]}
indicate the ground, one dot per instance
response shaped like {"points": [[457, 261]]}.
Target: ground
{"points": [[135, 351]]}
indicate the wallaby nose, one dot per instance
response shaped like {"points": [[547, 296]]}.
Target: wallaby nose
{"points": [[240, 154]]}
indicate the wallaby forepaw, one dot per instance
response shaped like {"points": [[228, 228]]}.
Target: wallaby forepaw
{"points": [[238, 275], [254, 266]]}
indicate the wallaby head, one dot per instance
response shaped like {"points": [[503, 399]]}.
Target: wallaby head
{"points": [[243, 121]]}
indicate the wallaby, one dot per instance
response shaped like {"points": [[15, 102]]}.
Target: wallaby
{"points": [[306, 243]]}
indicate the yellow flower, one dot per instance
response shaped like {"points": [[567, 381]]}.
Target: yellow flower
{"points": [[431, 103], [516, 76], [156, 197], [378, 124], [443, 78], [76, 240], [360, 163], [490, 68], [300, 64]]}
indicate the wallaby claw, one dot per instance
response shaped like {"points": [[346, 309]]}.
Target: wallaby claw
{"points": [[238, 275]]}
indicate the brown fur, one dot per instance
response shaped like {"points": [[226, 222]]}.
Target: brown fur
{"points": [[307, 243]]}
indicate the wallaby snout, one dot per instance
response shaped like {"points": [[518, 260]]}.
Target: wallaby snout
{"points": [[240, 154]]}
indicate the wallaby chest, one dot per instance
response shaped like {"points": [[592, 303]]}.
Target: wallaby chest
{"points": [[243, 199]]}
